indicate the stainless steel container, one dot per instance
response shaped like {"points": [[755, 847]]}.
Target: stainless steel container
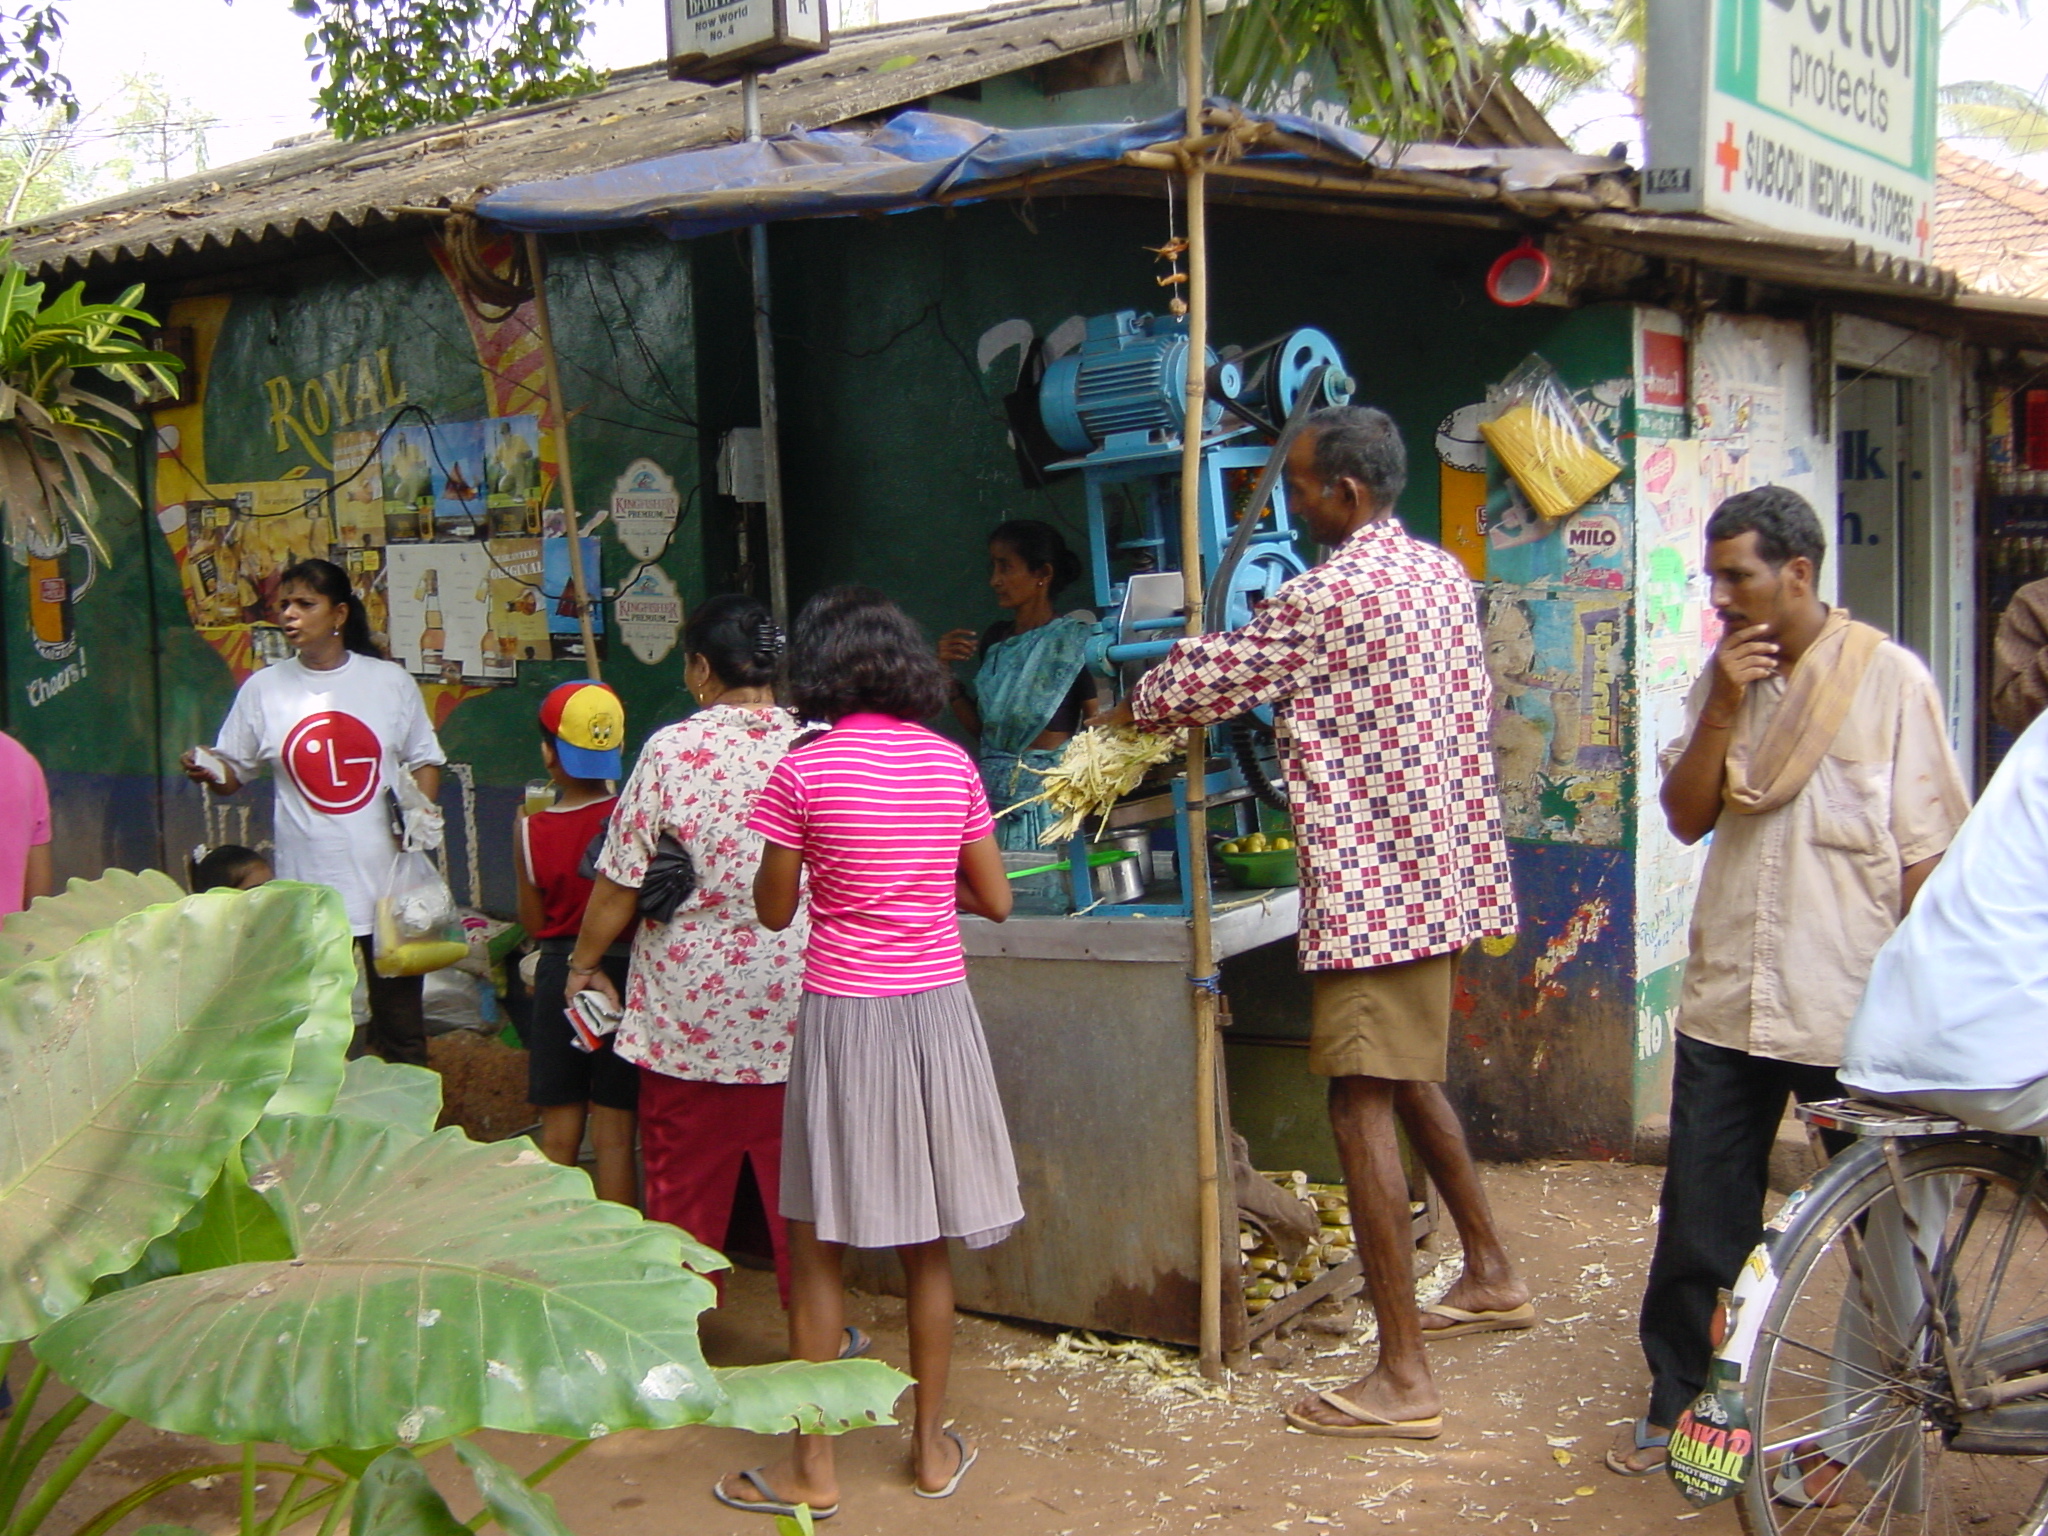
{"points": [[1125, 879]]}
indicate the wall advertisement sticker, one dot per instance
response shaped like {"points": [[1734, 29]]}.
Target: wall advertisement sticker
{"points": [[645, 508], [649, 614]]}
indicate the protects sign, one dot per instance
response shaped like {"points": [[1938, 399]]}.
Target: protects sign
{"points": [[1815, 117]]}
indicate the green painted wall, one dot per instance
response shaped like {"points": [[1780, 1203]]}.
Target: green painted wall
{"points": [[150, 686], [896, 455], [622, 312]]}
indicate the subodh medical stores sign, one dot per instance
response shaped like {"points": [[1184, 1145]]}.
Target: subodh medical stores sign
{"points": [[1813, 116]]}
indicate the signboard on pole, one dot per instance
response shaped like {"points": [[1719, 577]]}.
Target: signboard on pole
{"points": [[1816, 117], [718, 40]]}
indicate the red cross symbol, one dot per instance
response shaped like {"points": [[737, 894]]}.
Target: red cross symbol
{"points": [[1729, 158], [1922, 229]]}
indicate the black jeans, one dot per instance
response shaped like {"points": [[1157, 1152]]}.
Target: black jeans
{"points": [[1725, 1110], [397, 1030]]}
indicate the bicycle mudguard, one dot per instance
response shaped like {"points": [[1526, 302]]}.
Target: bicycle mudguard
{"points": [[1713, 1451]]}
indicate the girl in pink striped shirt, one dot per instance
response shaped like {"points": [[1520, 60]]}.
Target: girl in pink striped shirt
{"points": [[893, 1136]]}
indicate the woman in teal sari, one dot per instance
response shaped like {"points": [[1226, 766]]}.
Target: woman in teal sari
{"points": [[1030, 692]]}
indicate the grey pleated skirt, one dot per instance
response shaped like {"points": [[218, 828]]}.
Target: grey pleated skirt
{"points": [[892, 1132]]}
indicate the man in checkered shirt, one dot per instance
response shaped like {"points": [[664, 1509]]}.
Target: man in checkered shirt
{"points": [[1375, 668]]}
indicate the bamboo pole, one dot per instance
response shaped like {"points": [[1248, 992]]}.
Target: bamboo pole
{"points": [[1201, 958], [571, 526], [764, 368]]}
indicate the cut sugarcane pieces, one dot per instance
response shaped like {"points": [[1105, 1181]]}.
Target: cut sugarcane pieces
{"points": [[1095, 769]]}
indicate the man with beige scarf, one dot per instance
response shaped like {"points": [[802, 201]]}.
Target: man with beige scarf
{"points": [[1815, 753]]}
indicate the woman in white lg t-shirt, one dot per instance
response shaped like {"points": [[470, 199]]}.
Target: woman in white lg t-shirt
{"points": [[336, 724]]}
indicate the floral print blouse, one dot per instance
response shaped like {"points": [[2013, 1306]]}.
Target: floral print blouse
{"points": [[713, 995]]}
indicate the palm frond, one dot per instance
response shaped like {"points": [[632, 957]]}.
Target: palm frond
{"points": [[1990, 109], [1405, 66]]}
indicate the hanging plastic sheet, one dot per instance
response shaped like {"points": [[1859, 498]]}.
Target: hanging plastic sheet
{"points": [[919, 159]]}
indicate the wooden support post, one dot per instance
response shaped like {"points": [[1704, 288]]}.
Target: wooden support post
{"points": [[1202, 971]]}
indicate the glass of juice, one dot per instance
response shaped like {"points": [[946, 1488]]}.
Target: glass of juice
{"points": [[540, 796]]}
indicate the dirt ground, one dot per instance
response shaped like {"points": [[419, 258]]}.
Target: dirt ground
{"points": [[1076, 1443]]}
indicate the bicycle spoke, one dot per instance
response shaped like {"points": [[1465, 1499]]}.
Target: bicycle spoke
{"points": [[1899, 1267]]}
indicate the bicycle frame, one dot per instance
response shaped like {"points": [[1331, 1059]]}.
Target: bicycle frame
{"points": [[1978, 1370]]}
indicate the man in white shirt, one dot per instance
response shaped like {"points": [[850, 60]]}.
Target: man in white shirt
{"points": [[1952, 1018]]}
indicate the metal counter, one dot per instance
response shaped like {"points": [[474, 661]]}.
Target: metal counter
{"points": [[1091, 1031]]}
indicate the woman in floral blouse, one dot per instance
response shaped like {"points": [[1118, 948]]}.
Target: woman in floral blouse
{"points": [[711, 1000]]}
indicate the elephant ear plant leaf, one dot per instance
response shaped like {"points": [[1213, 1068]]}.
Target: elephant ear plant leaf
{"points": [[328, 1024], [130, 1066], [521, 1510], [395, 1498], [438, 1286], [340, 1278], [52, 924], [390, 1093]]}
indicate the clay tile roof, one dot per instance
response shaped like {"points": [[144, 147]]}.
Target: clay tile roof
{"points": [[1990, 226]]}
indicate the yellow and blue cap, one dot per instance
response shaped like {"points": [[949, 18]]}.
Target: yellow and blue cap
{"points": [[589, 726]]}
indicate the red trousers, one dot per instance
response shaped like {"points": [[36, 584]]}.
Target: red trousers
{"points": [[694, 1140]]}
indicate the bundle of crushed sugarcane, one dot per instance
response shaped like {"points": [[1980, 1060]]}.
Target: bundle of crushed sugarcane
{"points": [[1097, 768]]}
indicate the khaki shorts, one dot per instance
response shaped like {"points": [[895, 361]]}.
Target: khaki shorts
{"points": [[1391, 1021]]}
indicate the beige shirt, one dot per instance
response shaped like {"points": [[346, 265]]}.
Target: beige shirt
{"points": [[2019, 659], [1794, 903]]}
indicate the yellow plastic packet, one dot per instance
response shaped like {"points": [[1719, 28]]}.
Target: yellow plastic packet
{"points": [[1560, 460]]}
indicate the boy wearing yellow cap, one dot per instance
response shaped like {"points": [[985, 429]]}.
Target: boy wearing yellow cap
{"points": [[582, 729]]}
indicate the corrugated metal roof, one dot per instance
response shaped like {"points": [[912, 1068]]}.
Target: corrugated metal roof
{"points": [[244, 213], [276, 206], [1991, 226]]}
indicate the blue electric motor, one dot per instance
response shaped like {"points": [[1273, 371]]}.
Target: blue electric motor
{"points": [[1125, 387]]}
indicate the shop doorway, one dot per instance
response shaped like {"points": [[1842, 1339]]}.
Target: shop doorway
{"points": [[1883, 525]]}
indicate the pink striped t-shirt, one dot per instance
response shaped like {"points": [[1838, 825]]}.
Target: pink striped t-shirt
{"points": [[880, 809]]}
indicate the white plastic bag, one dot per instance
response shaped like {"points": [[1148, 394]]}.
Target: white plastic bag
{"points": [[418, 928]]}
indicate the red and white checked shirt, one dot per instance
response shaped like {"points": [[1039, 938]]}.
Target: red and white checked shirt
{"points": [[1376, 668]]}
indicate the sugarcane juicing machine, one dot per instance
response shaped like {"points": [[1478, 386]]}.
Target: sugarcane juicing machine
{"points": [[1116, 406]]}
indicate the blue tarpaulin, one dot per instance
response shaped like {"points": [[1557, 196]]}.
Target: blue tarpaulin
{"points": [[922, 158]]}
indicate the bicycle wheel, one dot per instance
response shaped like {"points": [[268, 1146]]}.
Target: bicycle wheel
{"points": [[1856, 1423]]}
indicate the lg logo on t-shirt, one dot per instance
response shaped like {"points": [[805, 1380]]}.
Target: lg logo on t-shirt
{"points": [[336, 761]]}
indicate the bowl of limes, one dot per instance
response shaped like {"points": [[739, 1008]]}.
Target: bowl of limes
{"points": [[1259, 862]]}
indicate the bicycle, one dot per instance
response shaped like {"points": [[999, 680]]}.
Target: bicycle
{"points": [[1884, 1367]]}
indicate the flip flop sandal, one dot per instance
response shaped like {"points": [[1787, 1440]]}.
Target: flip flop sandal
{"points": [[1369, 1425], [1645, 1441], [770, 1502], [967, 1458], [1507, 1320], [856, 1345]]}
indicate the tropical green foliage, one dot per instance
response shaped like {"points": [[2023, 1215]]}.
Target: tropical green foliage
{"points": [[52, 429], [1407, 65], [378, 65], [41, 168], [385, 65], [131, 1065], [208, 1224], [2005, 114], [1566, 47], [29, 37]]}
